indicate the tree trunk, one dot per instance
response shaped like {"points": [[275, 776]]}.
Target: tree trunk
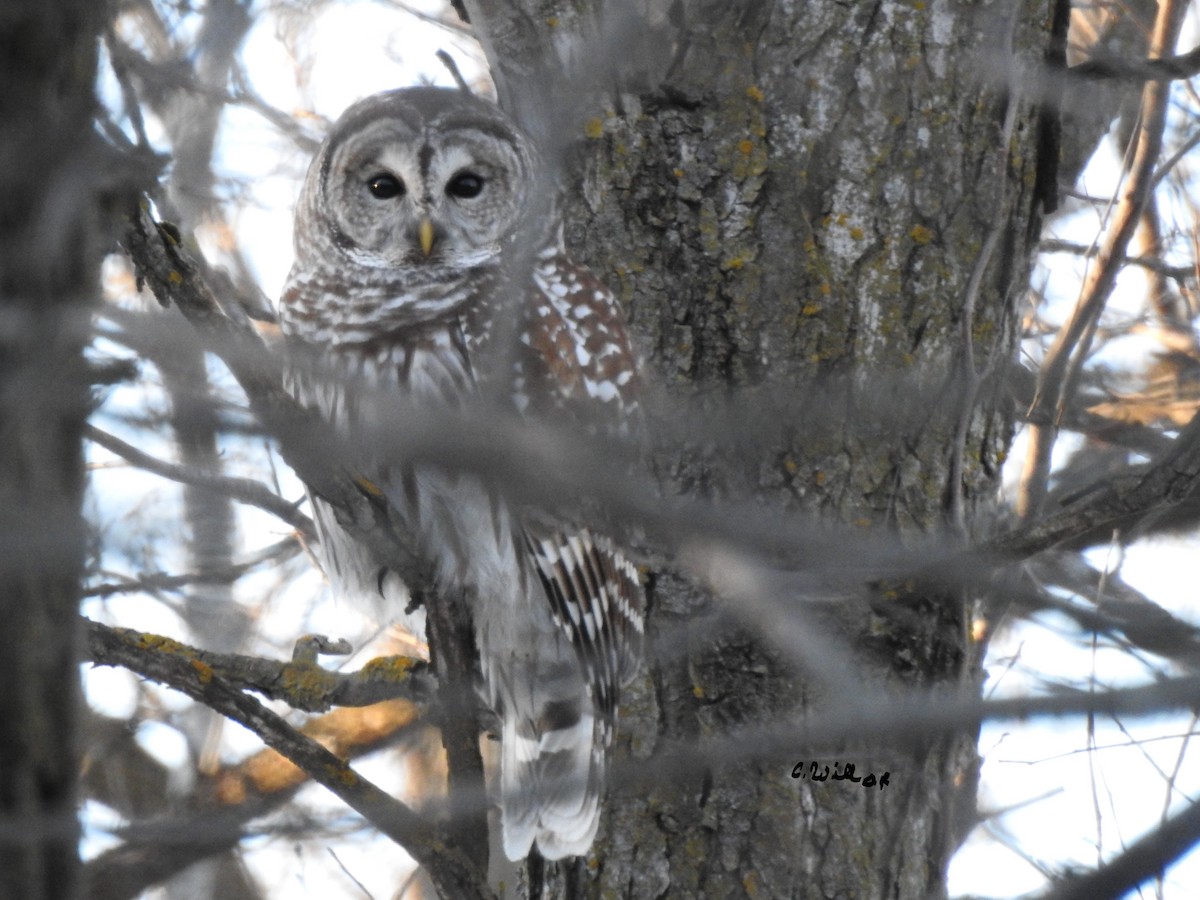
{"points": [[49, 263], [828, 209]]}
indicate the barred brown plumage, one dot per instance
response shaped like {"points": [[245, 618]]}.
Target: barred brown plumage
{"points": [[411, 265]]}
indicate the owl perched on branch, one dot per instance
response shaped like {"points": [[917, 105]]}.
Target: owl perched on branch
{"points": [[429, 261]]}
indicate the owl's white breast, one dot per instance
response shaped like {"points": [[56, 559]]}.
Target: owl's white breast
{"points": [[328, 308]]}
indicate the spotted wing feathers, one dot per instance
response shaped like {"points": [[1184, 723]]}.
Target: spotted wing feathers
{"points": [[553, 768]]}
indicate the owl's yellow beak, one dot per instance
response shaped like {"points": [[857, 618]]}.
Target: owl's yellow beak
{"points": [[425, 236]]}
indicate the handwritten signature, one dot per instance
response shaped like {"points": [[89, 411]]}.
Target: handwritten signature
{"points": [[846, 773]]}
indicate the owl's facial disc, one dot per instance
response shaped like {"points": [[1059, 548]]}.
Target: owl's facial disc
{"points": [[435, 189], [420, 212]]}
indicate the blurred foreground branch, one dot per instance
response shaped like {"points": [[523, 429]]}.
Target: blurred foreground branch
{"points": [[793, 556], [1162, 68]]}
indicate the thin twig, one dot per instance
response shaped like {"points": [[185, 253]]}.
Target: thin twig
{"points": [[244, 490], [1168, 165], [1153, 264], [154, 582], [453, 27], [1139, 862], [973, 378], [448, 61]]}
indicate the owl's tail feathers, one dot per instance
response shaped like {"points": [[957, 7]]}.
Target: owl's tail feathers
{"points": [[550, 786]]}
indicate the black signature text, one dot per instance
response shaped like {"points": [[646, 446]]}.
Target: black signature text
{"points": [[817, 772]]}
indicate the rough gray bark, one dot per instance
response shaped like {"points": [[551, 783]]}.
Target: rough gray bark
{"points": [[827, 209], [51, 167]]}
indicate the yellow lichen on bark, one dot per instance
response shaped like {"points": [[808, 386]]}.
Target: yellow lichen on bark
{"points": [[204, 672]]}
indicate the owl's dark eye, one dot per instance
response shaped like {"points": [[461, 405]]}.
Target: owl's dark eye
{"points": [[465, 185], [384, 186]]}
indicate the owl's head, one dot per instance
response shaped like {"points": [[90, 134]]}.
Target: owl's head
{"points": [[418, 176]]}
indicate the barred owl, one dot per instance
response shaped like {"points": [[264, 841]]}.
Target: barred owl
{"points": [[425, 236]]}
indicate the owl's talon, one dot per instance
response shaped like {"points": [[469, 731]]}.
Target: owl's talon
{"points": [[309, 647]]}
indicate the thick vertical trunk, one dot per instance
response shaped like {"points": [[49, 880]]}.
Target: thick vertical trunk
{"points": [[48, 274], [827, 208]]}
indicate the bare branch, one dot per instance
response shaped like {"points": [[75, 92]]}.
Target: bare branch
{"points": [[462, 30], [244, 94], [1127, 503], [452, 873], [153, 582], [302, 685], [1151, 263], [448, 61], [1125, 614], [244, 490]]}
